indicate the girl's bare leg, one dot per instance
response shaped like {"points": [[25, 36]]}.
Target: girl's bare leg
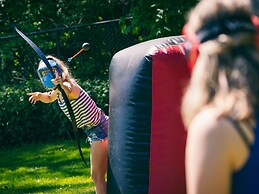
{"points": [[99, 159]]}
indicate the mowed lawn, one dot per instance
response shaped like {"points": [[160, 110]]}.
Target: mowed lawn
{"points": [[45, 168]]}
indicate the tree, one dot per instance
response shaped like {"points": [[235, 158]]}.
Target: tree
{"points": [[156, 18]]}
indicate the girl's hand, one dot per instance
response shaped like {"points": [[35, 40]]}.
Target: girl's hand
{"points": [[66, 86], [34, 97], [57, 80]]}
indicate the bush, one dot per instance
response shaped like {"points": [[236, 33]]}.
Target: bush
{"points": [[22, 122]]}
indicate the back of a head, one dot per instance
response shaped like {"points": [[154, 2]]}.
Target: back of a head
{"points": [[222, 35], [213, 11]]}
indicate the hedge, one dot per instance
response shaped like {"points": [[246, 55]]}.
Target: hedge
{"points": [[23, 122]]}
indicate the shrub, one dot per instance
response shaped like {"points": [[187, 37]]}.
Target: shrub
{"points": [[23, 122]]}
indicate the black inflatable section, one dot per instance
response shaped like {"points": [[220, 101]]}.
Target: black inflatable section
{"points": [[130, 117]]}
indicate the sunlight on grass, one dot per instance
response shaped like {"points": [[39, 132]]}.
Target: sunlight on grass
{"points": [[45, 168]]}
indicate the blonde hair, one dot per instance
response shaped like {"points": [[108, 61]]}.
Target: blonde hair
{"points": [[226, 73]]}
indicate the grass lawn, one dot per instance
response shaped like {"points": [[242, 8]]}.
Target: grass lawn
{"points": [[45, 168]]}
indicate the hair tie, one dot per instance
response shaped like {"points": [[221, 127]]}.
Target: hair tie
{"points": [[225, 26]]}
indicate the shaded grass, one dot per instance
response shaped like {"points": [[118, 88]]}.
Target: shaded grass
{"points": [[45, 168]]}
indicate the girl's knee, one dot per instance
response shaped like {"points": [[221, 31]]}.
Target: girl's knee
{"points": [[97, 176]]}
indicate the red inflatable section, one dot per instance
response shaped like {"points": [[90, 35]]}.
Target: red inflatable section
{"points": [[170, 75], [255, 20]]}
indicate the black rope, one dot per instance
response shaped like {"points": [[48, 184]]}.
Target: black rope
{"points": [[72, 116]]}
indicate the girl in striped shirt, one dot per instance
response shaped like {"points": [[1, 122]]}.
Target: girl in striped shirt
{"points": [[86, 112]]}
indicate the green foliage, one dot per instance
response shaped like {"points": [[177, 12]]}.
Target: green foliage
{"points": [[45, 168], [99, 91], [156, 18], [60, 27], [22, 122], [54, 23], [45, 14]]}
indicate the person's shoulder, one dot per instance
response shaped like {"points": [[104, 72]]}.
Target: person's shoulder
{"points": [[214, 135], [208, 117], [208, 124]]}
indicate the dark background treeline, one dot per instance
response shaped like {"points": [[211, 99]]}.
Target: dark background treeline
{"points": [[60, 27]]}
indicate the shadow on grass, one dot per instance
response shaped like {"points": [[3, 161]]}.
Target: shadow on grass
{"points": [[49, 189], [48, 168]]}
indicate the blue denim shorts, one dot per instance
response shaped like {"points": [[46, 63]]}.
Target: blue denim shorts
{"points": [[99, 132]]}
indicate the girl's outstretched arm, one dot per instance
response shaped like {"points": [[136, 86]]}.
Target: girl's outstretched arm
{"points": [[46, 97]]}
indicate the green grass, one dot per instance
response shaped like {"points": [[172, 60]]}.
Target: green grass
{"points": [[45, 168]]}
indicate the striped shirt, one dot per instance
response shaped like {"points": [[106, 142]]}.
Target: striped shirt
{"points": [[84, 108]]}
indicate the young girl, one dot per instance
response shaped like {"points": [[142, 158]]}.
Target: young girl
{"points": [[86, 112], [220, 107]]}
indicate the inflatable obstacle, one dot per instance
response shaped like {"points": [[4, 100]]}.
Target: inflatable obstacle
{"points": [[146, 133]]}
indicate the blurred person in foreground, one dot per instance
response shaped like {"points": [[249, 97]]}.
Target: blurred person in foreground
{"points": [[220, 105]]}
